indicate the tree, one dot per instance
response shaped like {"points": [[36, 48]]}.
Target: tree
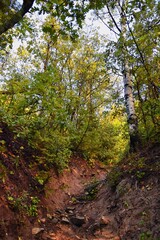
{"points": [[144, 49], [127, 79], [129, 55], [55, 96], [68, 12], [119, 26], [10, 14]]}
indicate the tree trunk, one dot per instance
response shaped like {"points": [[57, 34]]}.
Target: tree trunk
{"points": [[127, 80], [131, 114]]}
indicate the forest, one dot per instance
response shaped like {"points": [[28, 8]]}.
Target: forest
{"points": [[78, 99]]}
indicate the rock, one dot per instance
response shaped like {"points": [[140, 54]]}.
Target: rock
{"points": [[94, 228], [58, 211], [37, 230], [49, 216], [104, 220], [70, 212], [64, 215], [70, 209], [49, 236], [117, 238], [52, 236], [78, 220], [43, 220], [65, 220], [54, 220]]}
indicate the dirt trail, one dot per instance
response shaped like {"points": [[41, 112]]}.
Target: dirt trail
{"points": [[80, 204], [68, 196], [89, 209]]}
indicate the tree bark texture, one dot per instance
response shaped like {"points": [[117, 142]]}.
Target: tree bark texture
{"points": [[127, 80]]}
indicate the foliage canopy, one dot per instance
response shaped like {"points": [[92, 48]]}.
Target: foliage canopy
{"points": [[64, 93]]}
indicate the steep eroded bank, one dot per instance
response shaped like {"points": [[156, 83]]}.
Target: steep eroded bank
{"points": [[83, 202]]}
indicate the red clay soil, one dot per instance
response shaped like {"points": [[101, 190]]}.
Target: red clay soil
{"points": [[16, 183], [60, 189], [131, 211], [80, 203]]}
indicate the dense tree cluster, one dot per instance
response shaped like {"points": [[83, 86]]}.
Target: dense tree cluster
{"points": [[63, 93]]}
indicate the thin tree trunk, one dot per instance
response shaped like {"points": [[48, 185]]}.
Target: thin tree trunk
{"points": [[141, 108], [129, 102], [127, 80]]}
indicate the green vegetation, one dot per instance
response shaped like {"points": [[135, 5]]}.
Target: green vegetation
{"points": [[25, 203], [61, 109], [67, 92], [61, 89], [136, 166], [42, 177], [145, 236], [2, 172]]}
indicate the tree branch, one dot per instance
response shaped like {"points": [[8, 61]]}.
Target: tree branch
{"points": [[106, 24], [14, 18], [110, 14]]}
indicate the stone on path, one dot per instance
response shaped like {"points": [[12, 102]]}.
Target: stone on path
{"points": [[78, 220], [37, 230]]}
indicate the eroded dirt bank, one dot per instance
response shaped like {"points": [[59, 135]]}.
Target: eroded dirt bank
{"points": [[26, 205], [85, 202], [130, 212], [81, 203]]}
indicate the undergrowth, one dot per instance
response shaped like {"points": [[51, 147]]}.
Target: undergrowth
{"points": [[138, 165]]}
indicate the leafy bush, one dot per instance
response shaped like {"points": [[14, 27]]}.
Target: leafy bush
{"points": [[106, 142], [54, 148]]}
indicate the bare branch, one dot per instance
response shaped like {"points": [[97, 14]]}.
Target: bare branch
{"points": [[106, 24], [110, 14]]}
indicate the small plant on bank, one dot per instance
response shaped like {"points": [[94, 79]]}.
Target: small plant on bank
{"points": [[2, 173], [32, 209], [140, 174], [24, 203], [42, 177], [114, 177], [2, 145], [145, 236]]}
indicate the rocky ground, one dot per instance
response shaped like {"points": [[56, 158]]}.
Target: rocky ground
{"points": [[82, 204], [85, 202], [130, 212]]}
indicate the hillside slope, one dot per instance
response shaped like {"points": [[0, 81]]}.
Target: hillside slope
{"points": [[84, 202]]}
